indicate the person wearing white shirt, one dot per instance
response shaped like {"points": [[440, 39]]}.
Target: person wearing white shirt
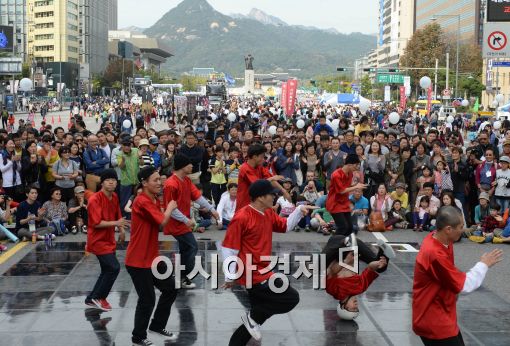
{"points": [[227, 206]]}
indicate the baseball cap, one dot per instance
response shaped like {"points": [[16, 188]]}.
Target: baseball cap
{"points": [[153, 140], [143, 142], [504, 159], [79, 189], [260, 188], [484, 195]]}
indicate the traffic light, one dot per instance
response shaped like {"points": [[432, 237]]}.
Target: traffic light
{"points": [[369, 69], [341, 69], [393, 70]]}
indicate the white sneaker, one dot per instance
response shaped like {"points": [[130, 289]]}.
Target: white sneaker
{"points": [[163, 334], [144, 342], [386, 248], [188, 284], [252, 327]]}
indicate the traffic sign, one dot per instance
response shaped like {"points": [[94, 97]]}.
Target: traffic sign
{"points": [[390, 78], [495, 40], [447, 92]]}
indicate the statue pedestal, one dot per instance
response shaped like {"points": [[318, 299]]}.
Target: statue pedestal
{"points": [[249, 81]]}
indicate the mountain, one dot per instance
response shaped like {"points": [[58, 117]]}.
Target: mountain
{"points": [[133, 28], [260, 16], [200, 36]]}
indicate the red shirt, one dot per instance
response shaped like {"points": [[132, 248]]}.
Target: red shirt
{"points": [[343, 288], [146, 218], [337, 201], [101, 241], [437, 282], [247, 176], [251, 232], [183, 192]]}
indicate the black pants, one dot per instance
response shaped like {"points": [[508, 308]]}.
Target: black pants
{"points": [[264, 304], [453, 341], [337, 241], [343, 223], [144, 282], [4, 122], [216, 191], [188, 249], [110, 269]]}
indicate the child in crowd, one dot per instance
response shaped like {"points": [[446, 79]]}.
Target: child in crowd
{"points": [[489, 227], [286, 207], [397, 216], [145, 158], [482, 209], [322, 221], [442, 178], [425, 178], [233, 164], [502, 183], [401, 195], [421, 216], [129, 203], [201, 216]]}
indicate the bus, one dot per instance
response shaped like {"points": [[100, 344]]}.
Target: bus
{"points": [[421, 107]]}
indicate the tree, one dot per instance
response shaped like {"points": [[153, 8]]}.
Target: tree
{"points": [[191, 83], [426, 45], [333, 84], [117, 85], [366, 86], [97, 83], [471, 86], [115, 70]]}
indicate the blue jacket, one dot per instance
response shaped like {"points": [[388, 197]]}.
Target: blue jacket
{"points": [[157, 158], [95, 160], [325, 127], [288, 170]]}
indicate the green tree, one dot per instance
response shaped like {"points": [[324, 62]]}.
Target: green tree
{"points": [[191, 83], [334, 83], [366, 86], [471, 86], [117, 85], [97, 83], [115, 70]]}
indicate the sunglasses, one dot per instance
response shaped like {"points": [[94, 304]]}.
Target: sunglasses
{"points": [[79, 140]]}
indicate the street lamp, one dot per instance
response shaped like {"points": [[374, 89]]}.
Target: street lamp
{"points": [[434, 18]]}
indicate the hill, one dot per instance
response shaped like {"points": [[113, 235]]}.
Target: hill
{"points": [[200, 36]]}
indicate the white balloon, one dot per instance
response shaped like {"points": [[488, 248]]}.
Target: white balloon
{"points": [[450, 119], [464, 103], [213, 117], [25, 84], [126, 124], [231, 117], [199, 108], [329, 123], [300, 123], [425, 82], [497, 125], [335, 124], [500, 98], [495, 104], [272, 130], [364, 105], [394, 118]]}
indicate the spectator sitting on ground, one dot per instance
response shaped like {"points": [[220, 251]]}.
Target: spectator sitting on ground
{"points": [[490, 230], [227, 206], [359, 210]]}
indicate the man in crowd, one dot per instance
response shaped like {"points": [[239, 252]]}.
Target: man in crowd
{"points": [[95, 160]]}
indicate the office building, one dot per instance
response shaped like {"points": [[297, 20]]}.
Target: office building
{"points": [[14, 13], [113, 15], [469, 13], [94, 23]]}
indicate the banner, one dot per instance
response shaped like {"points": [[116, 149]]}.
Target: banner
{"points": [[291, 92], [387, 93], [429, 99], [403, 97], [285, 96]]}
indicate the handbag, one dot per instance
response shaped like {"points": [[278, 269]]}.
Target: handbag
{"points": [[376, 222]]}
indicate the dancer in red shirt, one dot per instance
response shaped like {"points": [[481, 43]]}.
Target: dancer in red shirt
{"points": [[250, 233], [181, 189], [143, 248], [437, 282], [253, 170], [104, 215], [338, 203]]}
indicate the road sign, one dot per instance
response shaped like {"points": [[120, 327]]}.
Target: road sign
{"points": [[447, 92], [390, 78], [495, 40], [500, 64]]}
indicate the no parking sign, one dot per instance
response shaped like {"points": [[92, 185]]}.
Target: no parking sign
{"points": [[495, 40]]}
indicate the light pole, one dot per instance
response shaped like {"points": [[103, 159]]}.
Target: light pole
{"points": [[434, 18]]}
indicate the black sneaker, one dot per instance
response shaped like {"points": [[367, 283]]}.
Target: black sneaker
{"points": [[144, 342], [163, 334]]}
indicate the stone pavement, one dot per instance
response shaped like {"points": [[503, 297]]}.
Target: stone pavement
{"points": [[42, 295]]}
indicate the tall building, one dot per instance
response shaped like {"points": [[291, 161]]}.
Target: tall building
{"points": [[53, 34], [396, 27], [359, 65], [113, 14], [447, 13], [14, 13], [94, 35]]}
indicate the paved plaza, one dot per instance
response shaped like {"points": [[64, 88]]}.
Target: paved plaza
{"points": [[42, 292]]}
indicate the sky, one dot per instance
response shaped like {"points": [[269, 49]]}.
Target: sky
{"points": [[344, 15]]}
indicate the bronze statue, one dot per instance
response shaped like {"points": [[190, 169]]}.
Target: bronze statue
{"points": [[248, 61]]}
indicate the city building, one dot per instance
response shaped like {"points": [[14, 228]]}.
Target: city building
{"points": [[449, 14], [113, 14], [359, 65], [153, 53], [202, 71], [396, 27], [14, 13]]}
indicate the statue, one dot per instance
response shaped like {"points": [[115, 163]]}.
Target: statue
{"points": [[248, 61]]}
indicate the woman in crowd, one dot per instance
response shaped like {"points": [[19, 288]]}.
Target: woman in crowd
{"points": [[65, 172], [56, 212], [10, 166], [287, 161]]}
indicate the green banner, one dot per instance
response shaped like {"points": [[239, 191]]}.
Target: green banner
{"points": [[390, 78]]}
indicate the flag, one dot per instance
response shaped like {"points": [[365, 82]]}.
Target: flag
{"points": [[476, 106], [230, 80], [139, 64]]}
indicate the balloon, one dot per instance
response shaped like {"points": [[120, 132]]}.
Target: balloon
{"points": [[450, 119], [364, 105], [213, 117], [497, 125], [394, 118], [300, 123], [199, 108], [25, 84], [495, 104], [329, 123], [425, 82], [335, 124], [272, 130], [231, 117], [464, 103], [500, 98], [126, 124]]}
